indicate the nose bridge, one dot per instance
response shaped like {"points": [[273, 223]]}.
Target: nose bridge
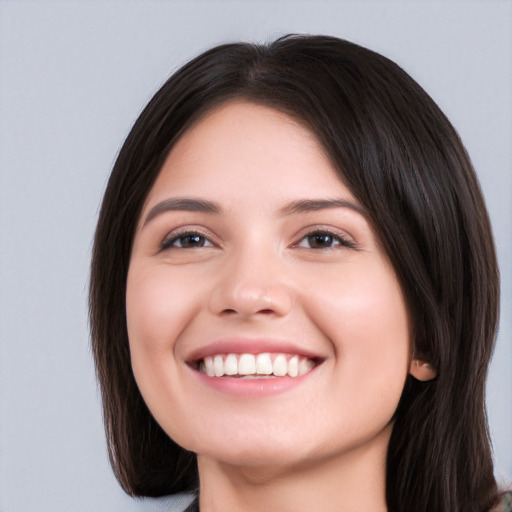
{"points": [[252, 281]]}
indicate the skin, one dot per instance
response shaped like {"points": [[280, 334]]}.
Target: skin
{"points": [[254, 274]]}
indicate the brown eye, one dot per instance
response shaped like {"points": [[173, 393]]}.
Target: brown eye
{"points": [[324, 240], [186, 241], [321, 241]]}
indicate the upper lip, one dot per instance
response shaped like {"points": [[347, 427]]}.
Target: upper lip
{"points": [[249, 346]]}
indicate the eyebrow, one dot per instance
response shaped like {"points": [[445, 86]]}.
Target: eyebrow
{"points": [[182, 204], [190, 204], [311, 205]]}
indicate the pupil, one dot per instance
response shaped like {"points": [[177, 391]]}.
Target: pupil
{"points": [[192, 240], [321, 241]]}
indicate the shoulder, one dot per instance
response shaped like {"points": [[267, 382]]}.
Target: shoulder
{"points": [[504, 504]]}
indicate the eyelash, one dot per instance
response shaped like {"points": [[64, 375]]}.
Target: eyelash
{"points": [[339, 241], [169, 242], [336, 239]]}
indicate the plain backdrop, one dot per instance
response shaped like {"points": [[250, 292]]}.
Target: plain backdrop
{"points": [[73, 77]]}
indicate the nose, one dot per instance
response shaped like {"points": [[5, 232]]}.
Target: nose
{"points": [[252, 285]]}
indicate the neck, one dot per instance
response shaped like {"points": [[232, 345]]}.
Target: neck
{"points": [[346, 482]]}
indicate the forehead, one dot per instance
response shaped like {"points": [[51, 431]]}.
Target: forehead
{"points": [[241, 144]]}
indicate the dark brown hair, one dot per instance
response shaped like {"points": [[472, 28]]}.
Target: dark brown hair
{"points": [[403, 160]]}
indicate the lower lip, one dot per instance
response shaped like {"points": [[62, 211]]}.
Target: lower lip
{"points": [[252, 387]]}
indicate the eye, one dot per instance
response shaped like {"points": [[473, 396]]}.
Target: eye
{"points": [[322, 239], [186, 240]]}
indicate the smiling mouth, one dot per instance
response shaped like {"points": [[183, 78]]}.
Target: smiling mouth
{"points": [[253, 366]]}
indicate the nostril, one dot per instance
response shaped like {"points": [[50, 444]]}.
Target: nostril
{"points": [[246, 299], [266, 311]]}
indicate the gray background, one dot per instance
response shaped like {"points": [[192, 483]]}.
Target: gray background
{"points": [[73, 76]]}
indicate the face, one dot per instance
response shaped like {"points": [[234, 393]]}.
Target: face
{"points": [[265, 321]]}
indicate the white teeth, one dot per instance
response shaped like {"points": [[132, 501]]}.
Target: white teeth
{"points": [[218, 366], [280, 367], [247, 364], [305, 365], [293, 366], [264, 364], [254, 366], [231, 365], [208, 366]]}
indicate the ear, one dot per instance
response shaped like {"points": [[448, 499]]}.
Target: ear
{"points": [[423, 371]]}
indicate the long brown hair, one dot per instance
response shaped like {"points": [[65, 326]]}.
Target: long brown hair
{"points": [[403, 160]]}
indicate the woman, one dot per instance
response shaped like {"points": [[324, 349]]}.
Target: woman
{"points": [[294, 290]]}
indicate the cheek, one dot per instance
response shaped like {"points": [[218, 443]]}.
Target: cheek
{"points": [[363, 313], [158, 306], [148, 310], [157, 311]]}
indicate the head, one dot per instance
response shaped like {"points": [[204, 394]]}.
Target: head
{"points": [[403, 163]]}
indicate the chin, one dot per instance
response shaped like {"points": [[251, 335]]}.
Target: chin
{"points": [[251, 447], [260, 456]]}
